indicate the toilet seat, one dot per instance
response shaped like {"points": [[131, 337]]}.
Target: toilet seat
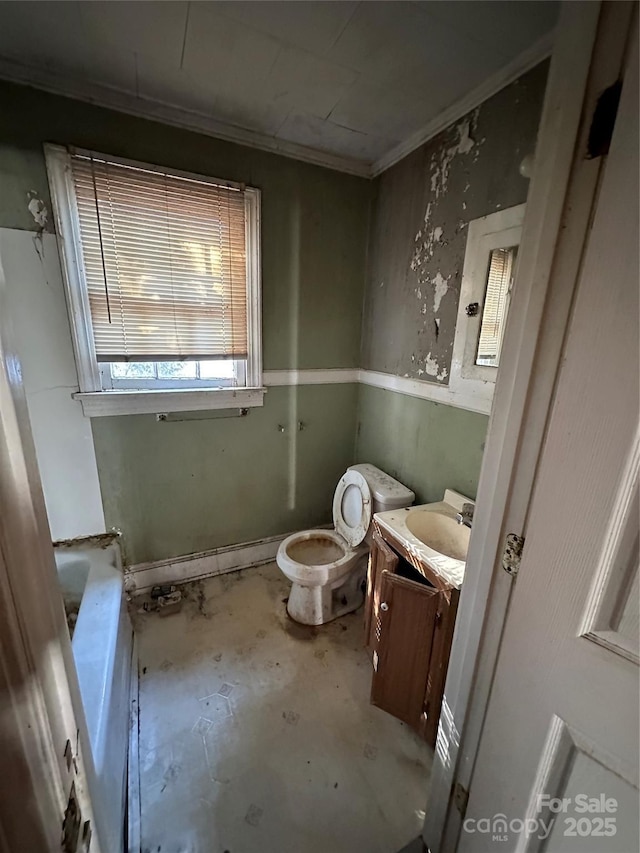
{"points": [[324, 570], [352, 508]]}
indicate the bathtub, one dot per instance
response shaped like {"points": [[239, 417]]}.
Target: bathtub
{"points": [[91, 580]]}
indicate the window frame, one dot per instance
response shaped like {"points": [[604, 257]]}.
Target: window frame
{"points": [[499, 230], [164, 395]]}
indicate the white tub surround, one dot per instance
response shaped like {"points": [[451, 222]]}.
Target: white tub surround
{"points": [[102, 651], [62, 436]]}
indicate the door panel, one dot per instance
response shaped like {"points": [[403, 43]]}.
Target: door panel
{"points": [[612, 613], [407, 617], [562, 719], [382, 558]]}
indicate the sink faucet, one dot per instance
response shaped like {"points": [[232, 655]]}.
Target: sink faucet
{"points": [[466, 515]]}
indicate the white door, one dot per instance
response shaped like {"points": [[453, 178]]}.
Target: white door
{"points": [[47, 769], [557, 767]]}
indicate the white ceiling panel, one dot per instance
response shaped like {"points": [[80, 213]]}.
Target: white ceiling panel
{"points": [[107, 66], [306, 82], [370, 108], [47, 36], [148, 29], [325, 135], [386, 43], [346, 83], [252, 113], [225, 53], [173, 86], [293, 23], [499, 26]]}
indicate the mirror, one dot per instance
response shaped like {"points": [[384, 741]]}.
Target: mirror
{"points": [[497, 296]]}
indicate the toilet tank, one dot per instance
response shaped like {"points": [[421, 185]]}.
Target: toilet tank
{"points": [[386, 492]]}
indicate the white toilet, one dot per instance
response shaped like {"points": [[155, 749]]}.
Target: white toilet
{"points": [[327, 567]]}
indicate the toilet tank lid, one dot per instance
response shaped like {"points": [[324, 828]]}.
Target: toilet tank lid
{"points": [[383, 487]]}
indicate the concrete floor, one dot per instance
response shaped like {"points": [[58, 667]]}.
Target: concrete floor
{"points": [[256, 734]]}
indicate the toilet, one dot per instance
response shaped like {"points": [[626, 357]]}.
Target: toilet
{"points": [[327, 567]]}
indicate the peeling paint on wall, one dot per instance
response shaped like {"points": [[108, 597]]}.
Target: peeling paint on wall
{"points": [[440, 287], [432, 368], [417, 242], [440, 164], [38, 209]]}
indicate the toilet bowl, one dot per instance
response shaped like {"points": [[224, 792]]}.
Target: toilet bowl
{"points": [[327, 568]]}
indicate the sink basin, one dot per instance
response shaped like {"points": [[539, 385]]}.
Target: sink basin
{"points": [[439, 532]]}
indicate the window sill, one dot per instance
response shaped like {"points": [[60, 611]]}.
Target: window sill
{"points": [[97, 404]]}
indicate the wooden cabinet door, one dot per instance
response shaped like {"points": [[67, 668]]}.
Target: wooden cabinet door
{"points": [[406, 625], [440, 652], [381, 558]]}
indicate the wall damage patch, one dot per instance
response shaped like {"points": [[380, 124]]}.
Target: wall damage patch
{"points": [[440, 287], [440, 167], [432, 368], [38, 209]]}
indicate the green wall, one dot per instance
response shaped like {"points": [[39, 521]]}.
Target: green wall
{"points": [[189, 485], [179, 487], [428, 446], [314, 220], [185, 486]]}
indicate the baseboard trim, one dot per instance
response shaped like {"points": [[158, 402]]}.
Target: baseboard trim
{"points": [[141, 577]]}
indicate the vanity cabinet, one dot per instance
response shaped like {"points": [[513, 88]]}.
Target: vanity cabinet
{"points": [[410, 614]]}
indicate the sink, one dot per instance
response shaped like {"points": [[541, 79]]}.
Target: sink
{"points": [[431, 534], [439, 532]]}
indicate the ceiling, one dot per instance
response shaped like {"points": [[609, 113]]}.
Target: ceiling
{"points": [[354, 85]]}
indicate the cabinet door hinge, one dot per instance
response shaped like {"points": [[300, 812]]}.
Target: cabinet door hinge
{"points": [[460, 798], [512, 554]]}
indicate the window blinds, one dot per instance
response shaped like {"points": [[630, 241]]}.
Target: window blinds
{"points": [[495, 304], [165, 263]]}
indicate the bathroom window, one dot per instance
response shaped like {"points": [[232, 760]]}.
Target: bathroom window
{"points": [[487, 284], [162, 271]]}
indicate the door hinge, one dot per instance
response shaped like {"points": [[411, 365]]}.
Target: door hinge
{"points": [[512, 554], [460, 798]]}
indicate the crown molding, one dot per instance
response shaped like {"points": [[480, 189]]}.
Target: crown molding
{"points": [[125, 102], [518, 66], [115, 99]]}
